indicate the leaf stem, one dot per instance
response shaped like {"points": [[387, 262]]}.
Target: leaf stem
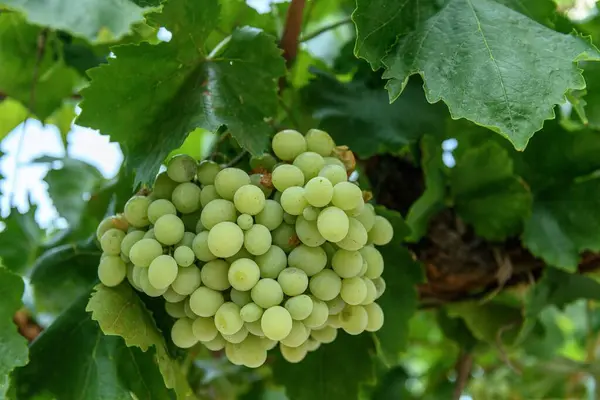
{"points": [[324, 29], [236, 159], [220, 46]]}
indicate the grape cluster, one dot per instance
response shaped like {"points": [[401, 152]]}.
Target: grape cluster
{"points": [[283, 256]]}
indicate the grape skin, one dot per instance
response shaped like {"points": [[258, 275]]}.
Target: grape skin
{"points": [[229, 180], [136, 211], [271, 215], [207, 171], [200, 247], [334, 173], [129, 240], [333, 224], [171, 296], [309, 259], [326, 285], [308, 232], [325, 335], [356, 237], [310, 213], [162, 271], [144, 251], [205, 302], [347, 264], [299, 307], [208, 194], [318, 315], [353, 291], [293, 281], [354, 319], [251, 312], [285, 237], [163, 186], [346, 195], [237, 337], [241, 298], [287, 175], [227, 319], [288, 144], [249, 199], [111, 241], [217, 344], [293, 354], [257, 240], [276, 323], [204, 329], [293, 201], [272, 262], [175, 310], [111, 271], [319, 142], [374, 262], [184, 256], [182, 334], [160, 207], [245, 221], [298, 335], [267, 293], [382, 231], [310, 163], [181, 168], [169, 229], [243, 274], [214, 275], [186, 197], [225, 239]]}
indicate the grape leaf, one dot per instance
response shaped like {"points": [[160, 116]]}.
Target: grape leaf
{"points": [[120, 312], [63, 119], [90, 19], [185, 88], [13, 346], [488, 194], [563, 223], [363, 119], [319, 376], [18, 59], [21, 240], [488, 63], [12, 113], [73, 360]]}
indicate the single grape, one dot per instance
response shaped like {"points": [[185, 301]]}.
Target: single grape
{"points": [[186, 197], [184, 256], [130, 278], [254, 328], [227, 319], [267, 343], [356, 211], [263, 182], [175, 310], [147, 286], [319, 141], [257, 239], [354, 319], [239, 297], [333, 224], [237, 337], [250, 352], [382, 231], [374, 261], [367, 217], [208, 194], [111, 271], [379, 286], [267, 293], [293, 354], [271, 215], [287, 175], [216, 211], [136, 211], [293, 281], [334, 321], [188, 310], [293, 201], [199, 227], [162, 271], [334, 161], [310, 163], [272, 262], [264, 162], [243, 274], [149, 234], [144, 251], [311, 344], [330, 250], [217, 344], [225, 239], [229, 180], [205, 302], [214, 275], [117, 222], [354, 290], [171, 296], [288, 144], [347, 263], [325, 285], [129, 240], [204, 329], [169, 229], [181, 168], [191, 220], [364, 268], [200, 247], [309, 259], [207, 171], [160, 207], [297, 335], [136, 274], [289, 218], [232, 355], [111, 241], [299, 307], [285, 237], [276, 323], [243, 253], [308, 232], [249, 199], [371, 292], [251, 312], [163, 186], [356, 238], [245, 221], [336, 305], [182, 334], [327, 334], [334, 174], [318, 315], [346, 195], [311, 213]]}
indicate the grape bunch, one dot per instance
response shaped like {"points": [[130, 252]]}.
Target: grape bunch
{"points": [[284, 256]]}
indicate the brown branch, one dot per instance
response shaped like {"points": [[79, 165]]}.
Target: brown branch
{"points": [[27, 327], [463, 367], [291, 32]]}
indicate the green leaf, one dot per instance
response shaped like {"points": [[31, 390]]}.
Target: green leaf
{"points": [[63, 119], [90, 19], [13, 346], [185, 89], [12, 113], [362, 118], [74, 360], [21, 240], [564, 222], [488, 194], [120, 312], [488, 63], [456, 330], [18, 59], [320, 376]]}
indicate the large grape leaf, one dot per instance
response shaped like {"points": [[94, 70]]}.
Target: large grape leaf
{"points": [[21, 240], [12, 113], [120, 312], [13, 346], [74, 360], [93, 20], [151, 110], [488, 63]]}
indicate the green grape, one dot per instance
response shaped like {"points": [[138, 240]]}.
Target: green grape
{"points": [[144, 251], [334, 161], [374, 261], [367, 217], [149, 234], [272, 262], [257, 239], [186, 197], [227, 318], [293, 201], [347, 263], [309, 259], [271, 215], [318, 315], [217, 344], [199, 227], [129, 276], [136, 211], [330, 250], [169, 229], [264, 162], [379, 286], [225, 239], [200, 247], [116, 221], [276, 323], [354, 319], [334, 174], [204, 329], [297, 335], [327, 334], [205, 302], [354, 290], [286, 176], [251, 312], [208, 194], [207, 171], [310, 163], [175, 310], [254, 328], [346, 195], [333, 224], [181, 168], [232, 355], [334, 320], [243, 274], [188, 310], [147, 286], [245, 221], [267, 343], [290, 219], [237, 337], [336, 305], [310, 213], [356, 238], [249, 199], [184, 256], [308, 232], [191, 220], [311, 345], [160, 207], [243, 253], [229, 180], [293, 281], [250, 352], [171, 295], [293, 354], [382, 232], [162, 271], [263, 182], [163, 186], [216, 211], [325, 285], [135, 274], [111, 271], [214, 275], [239, 297], [319, 141], [285, 237], [267, 293], [111, 241], [288, 144], [371, 292], [182, 334], [129, 240], [364, 268], [299, 307], [357, 210]]}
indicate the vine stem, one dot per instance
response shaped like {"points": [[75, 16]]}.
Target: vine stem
{"points": [[463, 371], [217, 49], [291, 32], [236, 159], [324, 29]]}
